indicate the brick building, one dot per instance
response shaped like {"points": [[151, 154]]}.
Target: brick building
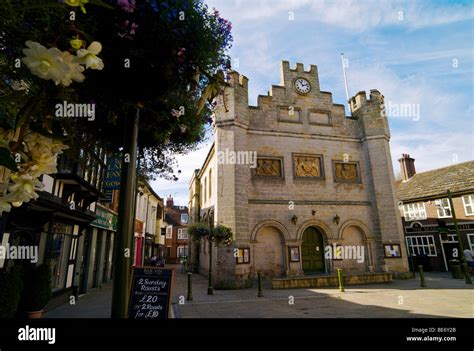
{"points": [[176, 224], [294, 176], [424, 207]]}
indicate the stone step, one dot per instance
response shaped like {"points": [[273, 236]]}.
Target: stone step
{"points": [[330, 280]]}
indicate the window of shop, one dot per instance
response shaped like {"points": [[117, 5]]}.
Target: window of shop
{"points": [[421, 245], [59, 253], [470, 238]]}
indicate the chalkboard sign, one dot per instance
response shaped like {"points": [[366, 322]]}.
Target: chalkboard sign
{"points": [[150, 293]]}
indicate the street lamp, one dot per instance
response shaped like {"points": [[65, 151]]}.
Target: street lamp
{"points": [[461, 246], [210, 288]]}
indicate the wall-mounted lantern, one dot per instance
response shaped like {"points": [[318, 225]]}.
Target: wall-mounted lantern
{"points": [[294, 219]]}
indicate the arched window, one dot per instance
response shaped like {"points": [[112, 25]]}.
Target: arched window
{"points": [[205, 188]]}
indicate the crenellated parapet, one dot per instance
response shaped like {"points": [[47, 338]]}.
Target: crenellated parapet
{"points": [[370, 113]]}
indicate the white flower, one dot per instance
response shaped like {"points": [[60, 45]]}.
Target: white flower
{"points": [[4, 206], [45, 63], [89, 57], [24, 188], [57, 147], [75, 70]]}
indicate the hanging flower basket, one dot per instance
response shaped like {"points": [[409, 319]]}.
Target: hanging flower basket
{"points": [[198, 230], [222, 235]]}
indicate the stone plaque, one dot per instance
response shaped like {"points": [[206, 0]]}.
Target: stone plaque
{"points": [[307, 166], [319, 117], [346, 171], [268, 167]]}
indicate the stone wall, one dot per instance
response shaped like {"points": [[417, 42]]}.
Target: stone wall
{"points": [[284, 126]]}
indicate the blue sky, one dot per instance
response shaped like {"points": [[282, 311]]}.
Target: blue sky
{"points": [[415, 52]]}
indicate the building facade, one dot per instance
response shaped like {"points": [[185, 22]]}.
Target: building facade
{"points": [[294, 177], [73, 232], [176, 232], [148, 203], [427, 215]]}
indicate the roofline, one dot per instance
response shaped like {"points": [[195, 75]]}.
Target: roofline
{"points": [[152, 191], [437, 196], [437, 169], [206, 160]]}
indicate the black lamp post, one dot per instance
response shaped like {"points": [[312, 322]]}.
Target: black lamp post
{"points": [[210, 287], [461, 246], [126, 222]]}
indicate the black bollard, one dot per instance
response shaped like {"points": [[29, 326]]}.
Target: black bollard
{"points": [[422, 277], [190, 288], [260, 294]]}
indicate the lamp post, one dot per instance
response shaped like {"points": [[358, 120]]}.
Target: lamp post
{"points": [[126, 222], [210, 288], [461, 246]]}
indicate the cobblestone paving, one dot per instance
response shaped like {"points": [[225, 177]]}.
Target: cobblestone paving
{"points": [[443, 297]]}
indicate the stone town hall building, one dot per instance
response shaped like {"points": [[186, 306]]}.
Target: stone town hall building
{"points": [[320, 178]]}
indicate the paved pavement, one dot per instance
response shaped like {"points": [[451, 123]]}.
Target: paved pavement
{"points": [[443, 297], [96, 304]]}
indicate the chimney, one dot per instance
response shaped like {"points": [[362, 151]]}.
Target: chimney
{"points": [[169, 201], [407, 166]]}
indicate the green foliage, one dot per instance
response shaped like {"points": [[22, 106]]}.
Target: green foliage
{"points": [[11, 286], [39, 290], [198, 230], [222, 235], [174, 65]]}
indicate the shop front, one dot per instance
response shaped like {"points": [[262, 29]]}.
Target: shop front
{"points": [[97, 250]]}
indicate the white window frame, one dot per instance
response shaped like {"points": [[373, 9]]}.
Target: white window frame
{"points": [[444, 207], [182, 236], [414, 211], [181, 248], [470, 239], [181, 218], [469, 203], [417, 244], [169, 229]]}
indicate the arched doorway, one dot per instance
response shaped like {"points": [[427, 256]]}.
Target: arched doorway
{"points": [[269, 258], [312, 251], [355, 252]]}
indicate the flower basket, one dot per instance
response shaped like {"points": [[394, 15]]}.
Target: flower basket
{"points": [[222, 235], [198, 230]]}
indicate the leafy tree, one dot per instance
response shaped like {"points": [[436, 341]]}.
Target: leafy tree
{"points": [[166, 57]]}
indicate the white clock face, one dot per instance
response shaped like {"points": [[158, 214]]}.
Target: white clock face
{"points": [[302, 86]]}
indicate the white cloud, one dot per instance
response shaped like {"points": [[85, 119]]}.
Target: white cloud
{"points": [[436, 104], [433, 150], [349, 14]]}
